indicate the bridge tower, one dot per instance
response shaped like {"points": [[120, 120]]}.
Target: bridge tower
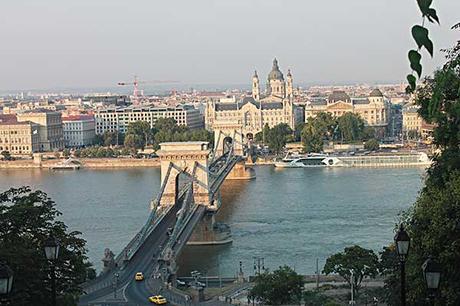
{"points": [[180, 163], [226, 135]]}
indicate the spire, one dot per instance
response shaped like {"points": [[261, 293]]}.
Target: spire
{"points": [[289, 73], [255, 74], [275, 64]]}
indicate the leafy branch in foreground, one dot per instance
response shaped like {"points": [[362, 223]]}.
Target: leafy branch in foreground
{"points": [[421, 37]]}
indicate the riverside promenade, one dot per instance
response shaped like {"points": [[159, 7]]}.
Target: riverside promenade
{"points": [[93, 163]]}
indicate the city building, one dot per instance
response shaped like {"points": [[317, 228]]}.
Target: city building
{"points": [[50, 128], [18, 137], [374, 109], [251, 113], [118, 118], [414, 124], [79, 130]]}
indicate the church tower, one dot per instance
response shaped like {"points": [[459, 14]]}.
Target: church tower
{"points": [[255, 86], [276, 85], [289, 86]]}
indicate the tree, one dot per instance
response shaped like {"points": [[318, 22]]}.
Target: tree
{"points": [[350, 126], [282, 286], [317, 130], [66, 153], [362, 262], [277, 137], [314, 298], [167, 124], [27, 219], [389, 268], [312, 140], [372, 145], [142, 133], [133, 142], [434, 227], [6, 155]]}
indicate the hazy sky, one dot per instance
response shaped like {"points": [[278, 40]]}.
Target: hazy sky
{"points": [[94, 43]]}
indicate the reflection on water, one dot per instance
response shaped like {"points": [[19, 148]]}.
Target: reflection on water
{"points": [[288, 217]]}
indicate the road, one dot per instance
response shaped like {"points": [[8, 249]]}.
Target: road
{"points": [[143, 261]]}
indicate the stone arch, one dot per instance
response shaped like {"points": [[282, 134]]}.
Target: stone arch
{"points": [[228, 144], [180, 181]]}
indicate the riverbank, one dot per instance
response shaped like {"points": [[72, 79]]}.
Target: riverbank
{"points": [[92, 163]]}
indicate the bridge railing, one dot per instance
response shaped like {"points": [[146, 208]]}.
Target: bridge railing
{"points": [[131, 248]]}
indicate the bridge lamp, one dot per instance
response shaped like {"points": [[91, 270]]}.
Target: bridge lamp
{"points": [[402, 241], [432, 275], [52, 252], [6, 279], [51, 248]]}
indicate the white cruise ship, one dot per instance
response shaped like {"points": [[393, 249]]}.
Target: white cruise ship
{"points": [[372, 160]]}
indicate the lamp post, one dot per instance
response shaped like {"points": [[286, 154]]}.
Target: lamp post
{"points": [[52, 252], [402, 241], [6, 283], [432, 275]]}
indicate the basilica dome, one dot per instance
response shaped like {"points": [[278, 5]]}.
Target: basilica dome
{"points": [[275, 74]]}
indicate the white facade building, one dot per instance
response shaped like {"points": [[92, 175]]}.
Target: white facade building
{"points": [[118, 118], [79, 131]]}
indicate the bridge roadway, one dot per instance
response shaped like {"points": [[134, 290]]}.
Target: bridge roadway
{"points": [[145, 260]]}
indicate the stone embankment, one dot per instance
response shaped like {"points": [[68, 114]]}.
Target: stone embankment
{"points": [[92, 163]]}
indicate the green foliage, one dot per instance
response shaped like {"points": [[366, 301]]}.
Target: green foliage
{"points": [[372, 145], [390, 269], [316, 130], [27, 219], [280, 287], [109, 139], [434, 227], [66, 153], [315, 298], [414, 58], [362, 262], [324, 127], [138, 135], [167, 130], [351, 127], [433, 221], [422, 39], [277, 137], [6, 155], [420, 35], [97, 152], [439, 101]]}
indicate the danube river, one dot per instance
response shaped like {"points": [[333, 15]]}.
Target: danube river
{"points": [[290, 216]]}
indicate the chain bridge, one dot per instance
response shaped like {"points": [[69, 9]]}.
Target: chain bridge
{"points": [[191, 176]]}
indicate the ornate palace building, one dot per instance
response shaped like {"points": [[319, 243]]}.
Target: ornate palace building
{"points": [[374, 109], [251, 113]]}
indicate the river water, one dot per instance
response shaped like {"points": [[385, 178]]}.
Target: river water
{"points": [[289, 216]]}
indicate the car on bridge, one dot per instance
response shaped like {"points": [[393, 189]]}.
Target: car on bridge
{"points": [[158, 299], [139, 276]]}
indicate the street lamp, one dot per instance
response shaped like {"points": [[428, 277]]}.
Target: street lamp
{"points": [[52, 252], [6, 281], [432, 275], [402, 241]]}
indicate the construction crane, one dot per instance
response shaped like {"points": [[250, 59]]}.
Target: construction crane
{"points": [[136, 90]]}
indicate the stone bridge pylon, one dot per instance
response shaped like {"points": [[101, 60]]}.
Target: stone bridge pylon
{"points": [[180, 163]]}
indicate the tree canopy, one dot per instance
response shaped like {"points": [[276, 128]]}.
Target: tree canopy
{"points": [[362, 262], [27, 219], [280, 287]]}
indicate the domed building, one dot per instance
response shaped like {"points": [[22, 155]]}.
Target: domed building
{"points": [[374, 109], [251, 113]]}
